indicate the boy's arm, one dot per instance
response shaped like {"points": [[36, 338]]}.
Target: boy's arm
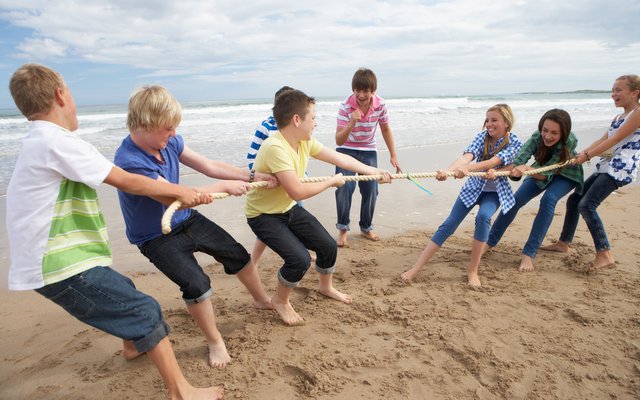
{"points": [[222, 170], [342, 133], [347, 162], [387, 135], [300, 191], [157, 189]]}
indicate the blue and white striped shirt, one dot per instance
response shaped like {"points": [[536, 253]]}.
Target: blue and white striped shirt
{"points": [[474, 186], [266, 128]]}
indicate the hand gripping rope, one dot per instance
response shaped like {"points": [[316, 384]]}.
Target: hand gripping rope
{"points": [[168, 214]]}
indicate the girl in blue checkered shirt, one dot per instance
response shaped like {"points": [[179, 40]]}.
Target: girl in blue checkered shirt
{"points": [[493, 148]]}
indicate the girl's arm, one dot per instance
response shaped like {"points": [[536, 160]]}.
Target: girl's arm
{"points": [[628, 127]]}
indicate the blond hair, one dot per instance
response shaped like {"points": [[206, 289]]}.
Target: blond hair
{"points": [[33, 88], [151, 107], [633, 81], [507, 114]]}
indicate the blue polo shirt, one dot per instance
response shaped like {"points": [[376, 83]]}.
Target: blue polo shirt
{"points": [[142, 214]]}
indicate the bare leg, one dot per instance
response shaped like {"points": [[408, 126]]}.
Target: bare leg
{"points": [[281, 304], [251, 280], [371, 235], [526, 264], [424, 258], [203, 314], [603, 260], [477, 249], [258, 250], [486, 249], [129, 351], [342, 238], [559, 246], [165, 361], [326, 288]]}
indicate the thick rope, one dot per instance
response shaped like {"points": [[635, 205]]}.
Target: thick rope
{"points": [[168, 214]]}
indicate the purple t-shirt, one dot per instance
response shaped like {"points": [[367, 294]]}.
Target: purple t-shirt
{"points": [[142, 214]]}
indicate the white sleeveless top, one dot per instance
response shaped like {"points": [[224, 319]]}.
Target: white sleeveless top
{"points": [[623, 164]]}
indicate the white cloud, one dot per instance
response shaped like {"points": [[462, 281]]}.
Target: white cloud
{"points": [[456, 46]]}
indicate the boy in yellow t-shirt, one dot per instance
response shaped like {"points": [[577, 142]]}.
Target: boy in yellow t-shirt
{"points": [[273, 214]]}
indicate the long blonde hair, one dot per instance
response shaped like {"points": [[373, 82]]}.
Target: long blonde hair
{"points": [[506, 113]]}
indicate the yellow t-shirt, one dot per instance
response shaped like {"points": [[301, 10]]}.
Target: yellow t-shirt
{"points": [[277, 155]]}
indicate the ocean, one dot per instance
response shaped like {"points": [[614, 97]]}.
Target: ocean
{"points": [[223, 130]]}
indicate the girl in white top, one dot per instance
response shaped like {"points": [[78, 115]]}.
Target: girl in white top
{"points": [[612, 172]]}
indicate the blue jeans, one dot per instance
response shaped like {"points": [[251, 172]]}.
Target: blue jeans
{"points": [[557, 189], [173, 255], [368, 192], [596, 188], [290, 235], [109, 301], [488, 202]]}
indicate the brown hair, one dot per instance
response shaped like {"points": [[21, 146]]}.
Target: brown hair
{"points": [[290, 103], [544, 153], [33, 88], [364, 79]]}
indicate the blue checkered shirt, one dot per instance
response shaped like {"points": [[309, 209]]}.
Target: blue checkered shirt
{"points": [[474, 185]]}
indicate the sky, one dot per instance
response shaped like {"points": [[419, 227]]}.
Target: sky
{"points": [[246, 49]]}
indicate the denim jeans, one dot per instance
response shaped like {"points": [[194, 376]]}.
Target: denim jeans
{"points": [[557, 189], [110, 302], [488, 202], [290, 235], [596, 188], [368, 192], [173, 255]]}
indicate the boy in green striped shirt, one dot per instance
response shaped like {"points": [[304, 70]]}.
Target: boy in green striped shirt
{"points": [[58, 236]]}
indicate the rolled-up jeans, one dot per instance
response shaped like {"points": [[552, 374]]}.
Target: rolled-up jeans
{"points": [[109, 301], [290, 234], [596, 188]]}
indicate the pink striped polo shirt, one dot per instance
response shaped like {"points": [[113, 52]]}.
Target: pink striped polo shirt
{"points": [[363, 134]]}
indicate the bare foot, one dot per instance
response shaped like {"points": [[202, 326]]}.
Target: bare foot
{"points": [[371, 235], [129, 351], [260, 305], [210, 393], [342, 238], [559, 247], [409, 274], [526, 264], [218, 356], [287, 314], [473, 280], [313, 256], [336, 295], [603, 260]]}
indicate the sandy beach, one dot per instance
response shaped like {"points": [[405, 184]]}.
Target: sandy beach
{"points": [[555, 333]]}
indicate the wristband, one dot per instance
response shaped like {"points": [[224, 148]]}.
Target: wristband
{"points": [[252, 175], [587, 155]]}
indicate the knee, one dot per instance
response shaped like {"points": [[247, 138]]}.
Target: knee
{"points": [[483, 219], [548, 203], [196, 288], [299, 263]]}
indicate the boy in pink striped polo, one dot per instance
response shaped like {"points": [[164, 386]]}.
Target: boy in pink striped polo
{"points": [[358, 117]]}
